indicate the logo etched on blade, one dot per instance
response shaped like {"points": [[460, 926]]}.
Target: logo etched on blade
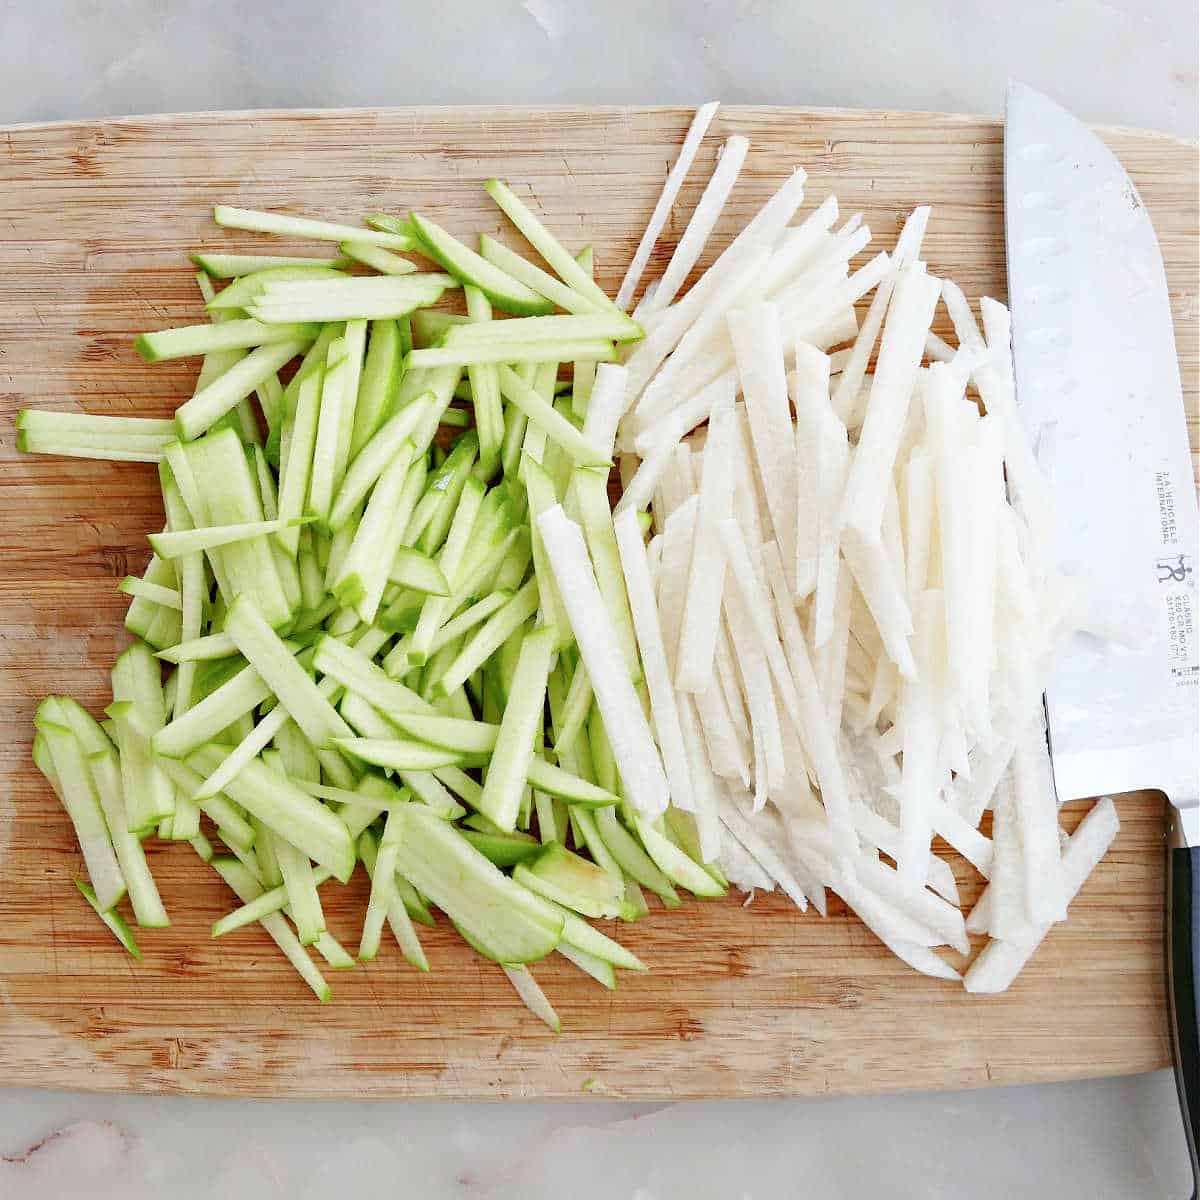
{"points": [[1174, 570]]}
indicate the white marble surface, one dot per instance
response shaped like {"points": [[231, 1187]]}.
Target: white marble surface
{"points": [[1131, 62]]}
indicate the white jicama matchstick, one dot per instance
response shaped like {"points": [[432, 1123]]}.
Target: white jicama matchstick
{"points": [[632, 744], [653, 651], [1000, 961], [914, 605], [758, 344], [705, 216], [706, 578], [662, 209]]}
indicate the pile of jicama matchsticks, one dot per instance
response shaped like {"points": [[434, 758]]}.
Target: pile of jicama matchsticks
{"points": [[847, 611]]}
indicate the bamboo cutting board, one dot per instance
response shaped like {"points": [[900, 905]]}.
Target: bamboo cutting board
{"points": [[94, 222]]}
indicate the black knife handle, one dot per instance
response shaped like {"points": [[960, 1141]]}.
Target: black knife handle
{"points": [[1183, 982]]}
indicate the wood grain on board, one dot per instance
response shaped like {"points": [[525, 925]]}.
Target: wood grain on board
{"points": [[94, 223]]}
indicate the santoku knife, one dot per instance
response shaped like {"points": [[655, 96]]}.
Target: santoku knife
{"points": [[1098, 387]]}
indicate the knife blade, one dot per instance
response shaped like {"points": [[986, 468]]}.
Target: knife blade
{"points": [[1098, 389]]}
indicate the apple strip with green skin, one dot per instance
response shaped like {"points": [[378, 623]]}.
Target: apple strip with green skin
{"points": [[399, 754], [524, 715], [364, 575], [235, 830], [546, 777], [234, 266], [531, 994], [333, 407], [209, 648], [356, 349], [583, 374], [378, 258], [225, 392], [633, 859], [532, 276], [246, 290], [271, 901], [299, 883], [353, 298], [265, 651], [240, 694], [397, 658], [79, 442], [584, 827], [164, 597], [602, 972], [535, 331], [57, 754], [414, 903], [436, 609], [384, 898], [485, 391], [287, 810], [256, 221], [557, 428], [295, 759], [442, 865], [675, 864], [492, 353], [355, 670], [430, 325], [370, 462], [423, 784], [137, 683], [194, 588], [547, 245], [415, 571], [248, 889], [578, 933], [48, 422], [451, 733], [112, 918], [191, 340], [464, 264], [487, 639], [105, 769], [345, 308], [381, 374], [460, 783], [71, 447], [83, 435], [572, 881], [429, 524], [432, 793], [178, 543], [296, 465], [288, 291], [399, 919], [483, 571], [504, 849]]}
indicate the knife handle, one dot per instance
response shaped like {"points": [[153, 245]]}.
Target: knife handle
{"points": [[1183, 981]]}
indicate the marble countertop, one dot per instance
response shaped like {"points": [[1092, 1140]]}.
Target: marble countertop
{"points": [[1127, 62]]}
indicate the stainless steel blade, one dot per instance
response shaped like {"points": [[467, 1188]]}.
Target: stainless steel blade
{"points": [[1098, 383]]}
